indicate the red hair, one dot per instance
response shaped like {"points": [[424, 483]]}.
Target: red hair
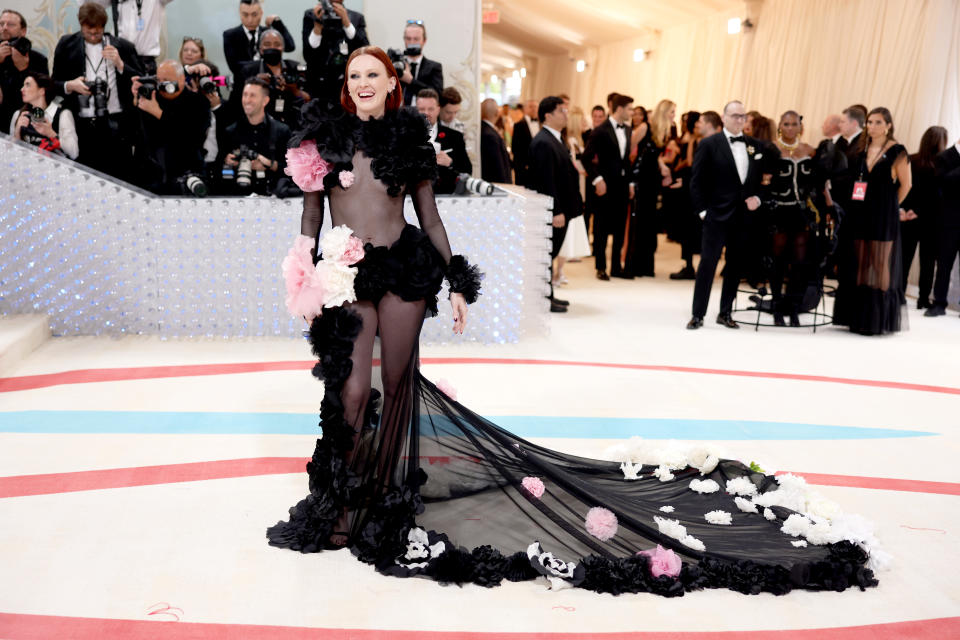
{"points": [[394, 98]]}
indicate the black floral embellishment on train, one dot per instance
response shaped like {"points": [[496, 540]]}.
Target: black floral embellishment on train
{"points": [[559, 572], [464, 278]]}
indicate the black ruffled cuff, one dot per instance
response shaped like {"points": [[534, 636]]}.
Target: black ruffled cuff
{"points": [[464, 278]]}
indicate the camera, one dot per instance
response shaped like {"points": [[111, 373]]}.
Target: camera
{"points": [[149, 84], [298, 77], [327, 15], [211, 84], [37, 114], [21, 44], [399, 61], [245, 156], [467, 184], [192, 184], [100, 94]]}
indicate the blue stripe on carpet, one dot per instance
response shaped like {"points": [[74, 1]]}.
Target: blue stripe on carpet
{"points": [[523, 426]]}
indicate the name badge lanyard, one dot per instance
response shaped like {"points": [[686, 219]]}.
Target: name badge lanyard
{"points": [[140, 25], [860, 186], [96, 73]]}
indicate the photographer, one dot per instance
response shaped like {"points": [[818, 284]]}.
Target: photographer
{"points": [[175, 124], [48, 126], [283, 77], [254, 147], [452, 158], [242, 43], [94, 72], [16, 59], [204, 77], [331, 33], [418, 72], [140, 22]]}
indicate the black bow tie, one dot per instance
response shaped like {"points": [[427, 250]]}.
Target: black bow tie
{"points": [[622, 126], [738, 139]]}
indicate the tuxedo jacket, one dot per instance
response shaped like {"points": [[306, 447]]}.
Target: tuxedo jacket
{"points": [[552, 173], [451, 141], [429, 76], [602, 158], [520, 145], [841, 185], [494, 159], [236, 44], [714, 182], [70, 62], [947, 173], [327, 63]]}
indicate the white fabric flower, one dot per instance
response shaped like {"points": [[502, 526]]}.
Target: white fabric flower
{"points": [[663, 472], [560, 574], [719, 517], [709, 465], [418, 546], [795, 525], [704, 486], [769, 514], [333, 243], [631, 471], [741, 487], [693, 543], [799, 543], [745, 505], [666, 508], [338, 282], [671, 528]]}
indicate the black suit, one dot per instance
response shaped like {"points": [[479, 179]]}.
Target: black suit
{"points": [[11, 81], [494, 159], [947, 175], [291, 105], [429, 76], [605, 158], [327, 63], [69, 62], [520, 145], [236, 44], [715, 187], [552, 173], [451, 141]]}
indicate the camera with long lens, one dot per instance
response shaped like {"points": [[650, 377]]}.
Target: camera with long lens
{"points": [[21, 44], [150, 84], [298, 77], [326, 15], [100, 94], [245, 156], [398, 59], [467, 184], [37, 114], [211, 84], [192, 185]]}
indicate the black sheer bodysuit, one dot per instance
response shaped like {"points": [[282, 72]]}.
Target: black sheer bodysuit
{"points": [[421, 485]]}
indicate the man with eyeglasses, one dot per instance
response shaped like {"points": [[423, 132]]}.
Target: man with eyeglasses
{"points": [[724, 187], [421, 72], [331, 32], [140, 22]]}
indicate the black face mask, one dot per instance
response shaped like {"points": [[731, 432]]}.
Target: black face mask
{"points": [[272, 56]]}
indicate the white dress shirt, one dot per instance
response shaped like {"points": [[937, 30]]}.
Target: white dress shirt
{"points": [[99, 67], [621, 136], [739, 150], [141, 27], [314, 39], [555, 133], [67, 135], [534, 126]]}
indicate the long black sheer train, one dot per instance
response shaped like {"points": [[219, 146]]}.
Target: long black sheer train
{"points": [[423, 486]]}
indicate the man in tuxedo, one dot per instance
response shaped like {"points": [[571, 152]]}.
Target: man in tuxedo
{"points": [[947, 172], [494, 159], [523, 133], [552, 173], [328, 40], [140, 22], [452, 158], [421, 72], [724, 186], [831, 127], [607, 162], [16, 59], [242, 43], [286, 98], [450, 102], [103, 115]]}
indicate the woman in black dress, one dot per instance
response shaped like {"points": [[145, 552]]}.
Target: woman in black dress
{"points": [[919, 225], [650, 174], [869, 289], [423, 486]]}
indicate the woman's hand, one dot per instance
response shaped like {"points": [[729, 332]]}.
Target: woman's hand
{"points": [[459, 306]]}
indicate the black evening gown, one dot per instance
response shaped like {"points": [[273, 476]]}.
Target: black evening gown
{"points": [[425, 487], [646, 221], [869, 290]]}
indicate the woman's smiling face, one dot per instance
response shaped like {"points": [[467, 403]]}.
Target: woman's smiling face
{"points": [[368, 84]]}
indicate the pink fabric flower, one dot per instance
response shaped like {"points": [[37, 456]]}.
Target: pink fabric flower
{"points": [[306, 167], [305, 290], [354, 253], [601, 523], [663, 562], [533, 485], [447, 389], [346, 179]]}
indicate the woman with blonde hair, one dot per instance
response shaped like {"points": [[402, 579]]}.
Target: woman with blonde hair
{"points": [[576, 243], [650, 174]]}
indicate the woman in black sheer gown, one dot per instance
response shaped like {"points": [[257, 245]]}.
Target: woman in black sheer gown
{"points": [[869, 290], [423, 486]]}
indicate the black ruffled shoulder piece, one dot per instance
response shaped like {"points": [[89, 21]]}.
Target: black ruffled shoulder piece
{"points": [[400, 149], [334, 131], [464, 278]]}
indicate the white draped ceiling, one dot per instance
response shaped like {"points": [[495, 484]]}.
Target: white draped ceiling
{"points": [[815, 56]]}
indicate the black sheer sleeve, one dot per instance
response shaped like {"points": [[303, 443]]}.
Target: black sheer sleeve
{"points": [[312, 217]]}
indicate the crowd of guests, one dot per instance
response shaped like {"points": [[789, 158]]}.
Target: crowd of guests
{"points": [[182, 127], [786, 214]]}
